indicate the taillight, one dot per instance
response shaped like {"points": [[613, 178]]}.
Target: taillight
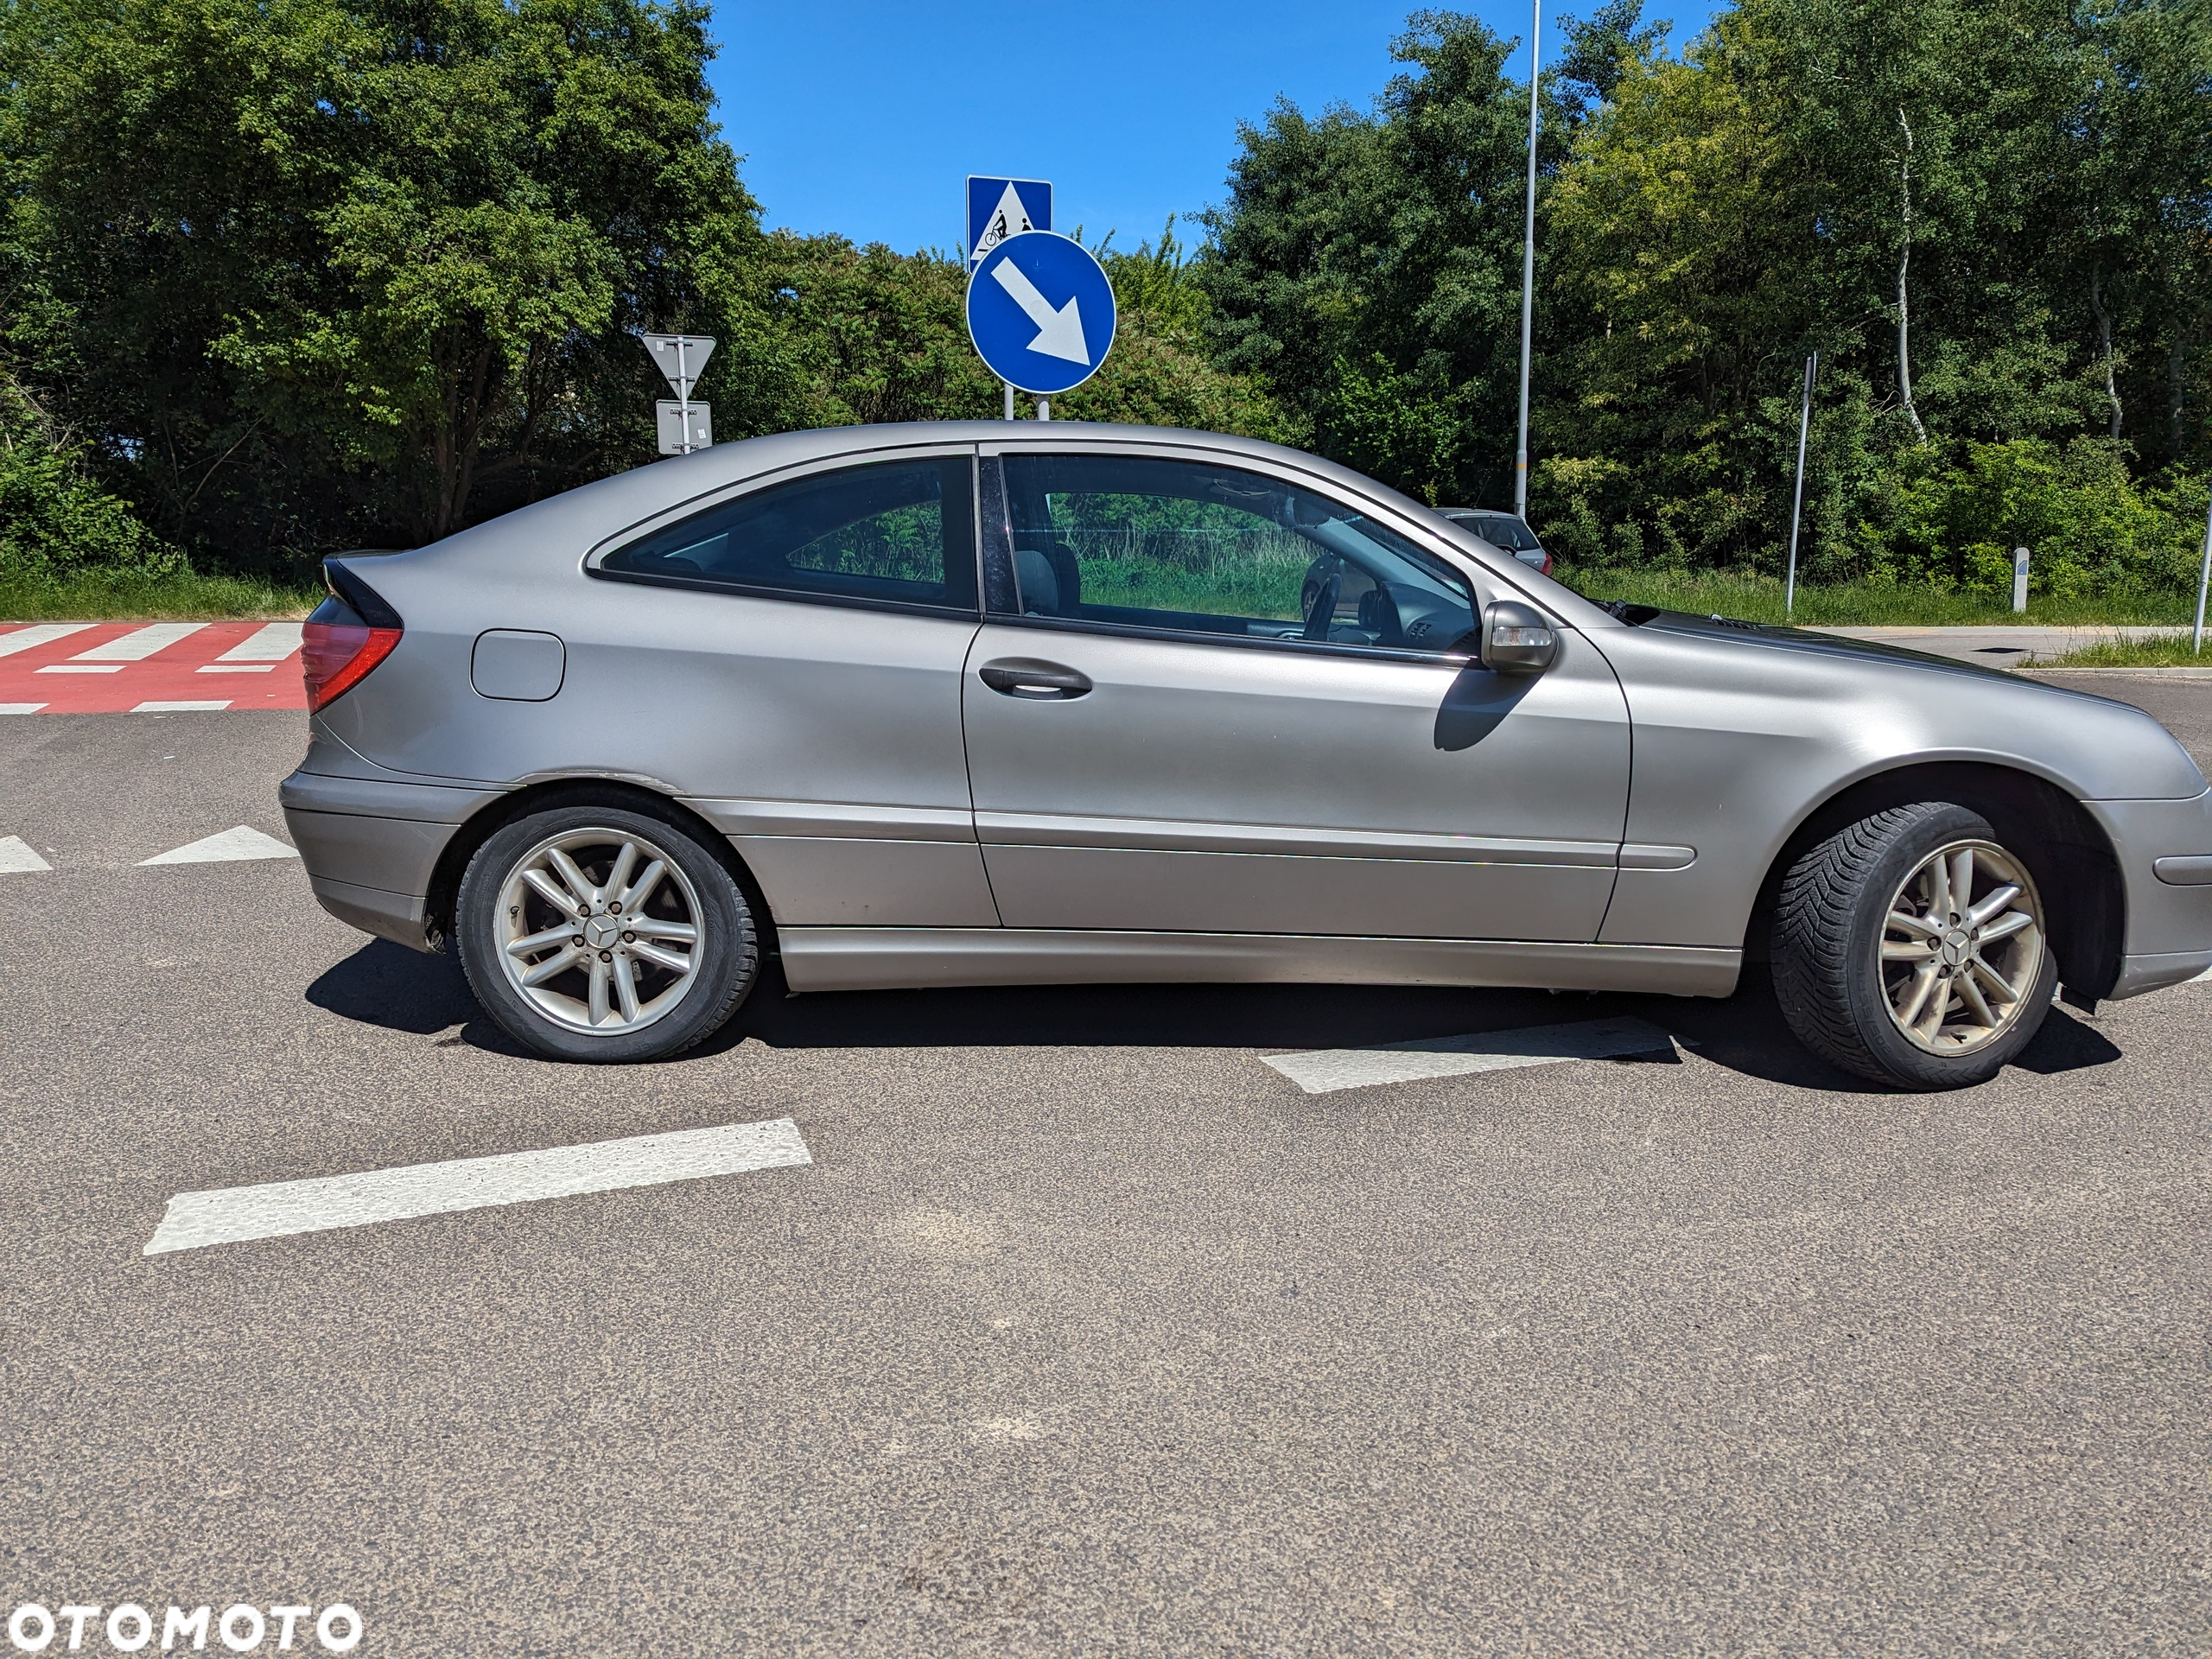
{"points": [[1545, 568], [337, 656], [348, 635]]}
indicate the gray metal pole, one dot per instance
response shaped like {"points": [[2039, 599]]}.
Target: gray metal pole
{"points": [[1009, 385], [683, 401], [1044, 409], [1797, 501], [1528, 262], [2204, 580]]}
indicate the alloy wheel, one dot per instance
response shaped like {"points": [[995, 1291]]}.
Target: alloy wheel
{"points": [[1962, 943], [601, 929]]}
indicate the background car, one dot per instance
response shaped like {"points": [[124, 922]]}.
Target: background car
{"points": [[1505, 531], [983, 704]]}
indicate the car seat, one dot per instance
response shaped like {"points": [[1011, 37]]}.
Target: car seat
{"points": [[1050, 580]]}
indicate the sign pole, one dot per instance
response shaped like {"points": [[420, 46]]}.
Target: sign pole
{"points": [[1009, 385], [1797, 501], [2204, 580], [1044, 409], [683, 396], [1529, 262]]}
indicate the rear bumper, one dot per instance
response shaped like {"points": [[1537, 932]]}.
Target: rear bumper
{"points": [[399, 917], [2161, 846], [371, 847]]}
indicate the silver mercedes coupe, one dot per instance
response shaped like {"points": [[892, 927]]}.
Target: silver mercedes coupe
{"points": [[981, 704]]}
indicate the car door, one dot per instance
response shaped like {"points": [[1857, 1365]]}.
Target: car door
{"points": [[791, 656], [1209, 698]]}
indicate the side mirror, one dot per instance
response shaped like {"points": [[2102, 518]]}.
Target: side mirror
{"points": [[1517, 640]]}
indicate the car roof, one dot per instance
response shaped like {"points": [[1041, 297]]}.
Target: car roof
{"points": [[607, 505], [515, 543]]}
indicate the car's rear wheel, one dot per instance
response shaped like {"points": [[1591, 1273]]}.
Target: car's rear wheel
{"points": [[1911, 948], [596, 932]]}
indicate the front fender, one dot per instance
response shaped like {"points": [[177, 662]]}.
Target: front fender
{"points": [[1738, 740]]}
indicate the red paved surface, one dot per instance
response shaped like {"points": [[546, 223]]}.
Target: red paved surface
{"points": [[173, 674]]}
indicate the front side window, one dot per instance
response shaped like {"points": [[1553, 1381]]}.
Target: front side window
{"points": [[1195, 548], [899, 532]]}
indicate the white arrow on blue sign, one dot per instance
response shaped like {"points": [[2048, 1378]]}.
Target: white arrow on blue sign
{"points": [[1041, 313]]}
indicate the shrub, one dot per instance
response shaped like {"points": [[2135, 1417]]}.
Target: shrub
{"points": [[57, 522]]}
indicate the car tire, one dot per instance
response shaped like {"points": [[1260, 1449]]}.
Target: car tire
{"points": [[656, 962], [1873, 972]]}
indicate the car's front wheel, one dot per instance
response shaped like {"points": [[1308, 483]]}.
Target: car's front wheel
{"points": [[1911, 948], [597, 932]]}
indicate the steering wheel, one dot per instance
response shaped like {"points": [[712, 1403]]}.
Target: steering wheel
{"points": [[1324, 613]]}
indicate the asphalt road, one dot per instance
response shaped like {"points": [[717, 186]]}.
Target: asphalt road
{"points": [[1086, 1331]]}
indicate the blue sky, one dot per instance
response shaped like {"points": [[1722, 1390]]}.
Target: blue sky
{"points": [[864, 117]]}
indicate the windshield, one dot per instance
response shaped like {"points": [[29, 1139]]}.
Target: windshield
{"points": [[1500, 530]]}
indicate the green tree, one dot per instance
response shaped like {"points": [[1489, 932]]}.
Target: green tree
{"points": [[321, 270], [1369, 265], [1958, 202]]}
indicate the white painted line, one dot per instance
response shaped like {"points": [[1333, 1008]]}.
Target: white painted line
{"points": [[272, 645], [44, 634], [231, 1215], [80, 668], [140, 643], [19, 857], [158, 706], [235, 668], [21, 708], [232, 845], [1320, 1071]]}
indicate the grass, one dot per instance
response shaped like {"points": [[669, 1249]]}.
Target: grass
{"points": [[1759, 599], [1261, 588], [2159, 650], [183, 599]]}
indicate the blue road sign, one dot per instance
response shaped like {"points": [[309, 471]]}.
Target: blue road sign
{"points": [[1040, 312], [998, 209]]}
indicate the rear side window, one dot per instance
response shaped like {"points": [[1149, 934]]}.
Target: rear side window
{"points": [[895, 531]]}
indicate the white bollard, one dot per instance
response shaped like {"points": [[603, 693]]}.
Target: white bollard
{"points": [[2203, 582], [2020, 579]]}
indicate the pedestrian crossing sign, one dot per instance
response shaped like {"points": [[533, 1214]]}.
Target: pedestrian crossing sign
{"points": [[998, 209]]}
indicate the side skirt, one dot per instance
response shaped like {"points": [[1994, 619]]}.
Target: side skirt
{"points": [[883, 958]]}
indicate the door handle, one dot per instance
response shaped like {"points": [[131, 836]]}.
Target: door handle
{"points": [[1024, 677]]}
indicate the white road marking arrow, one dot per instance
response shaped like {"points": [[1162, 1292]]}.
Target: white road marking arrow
{"points": [[1060, 334], [19, 857], [243, 843]]}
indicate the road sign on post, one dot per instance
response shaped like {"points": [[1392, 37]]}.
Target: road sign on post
{"points": [[684, 425], [1040, 312], [998, 209]]}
